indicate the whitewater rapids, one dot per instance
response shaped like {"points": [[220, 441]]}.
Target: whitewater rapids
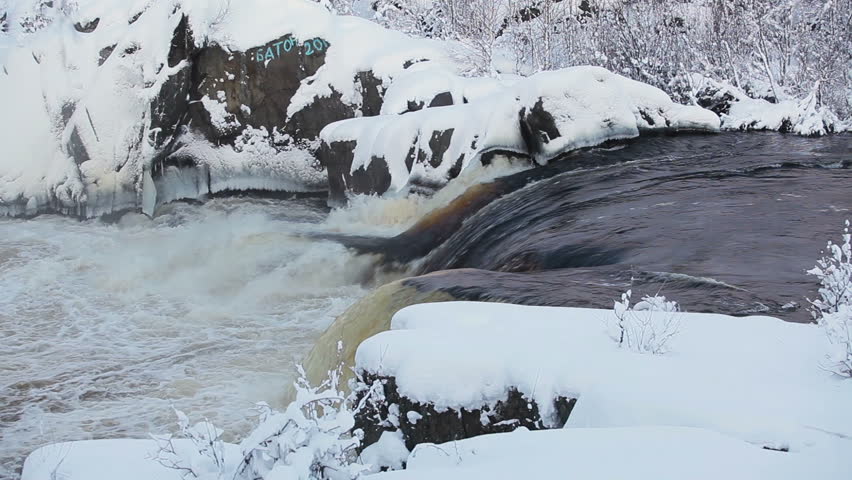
{"points": [[206, 308], [105, 326]]}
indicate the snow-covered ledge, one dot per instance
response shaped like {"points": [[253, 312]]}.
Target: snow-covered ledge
{"points": [[756, 379], [540, 117]]}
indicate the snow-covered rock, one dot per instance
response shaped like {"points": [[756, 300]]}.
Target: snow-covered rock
{"points": [[539, 117], [740, 112], [129, 106], [757, 379]]}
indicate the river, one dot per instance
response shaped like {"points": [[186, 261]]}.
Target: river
{"points": [[106, 326]]}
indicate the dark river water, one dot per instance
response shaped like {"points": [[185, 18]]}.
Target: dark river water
{"points": [[725, 223]]}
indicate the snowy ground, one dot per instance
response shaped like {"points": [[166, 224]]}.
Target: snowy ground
{"points": [[732, 397], [658, 453]]}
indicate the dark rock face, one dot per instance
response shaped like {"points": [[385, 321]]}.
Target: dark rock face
{"points": [[444, 99], [255, 90], [715, 99], [439, 143], [77, 149], [537, 127], [266, 87], [375, 178], [87, 27], [373, 93], [337, 159], [389, 411], [105, 53]]}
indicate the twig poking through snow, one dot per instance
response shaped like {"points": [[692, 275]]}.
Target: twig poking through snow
{"points": [[646, 327]]}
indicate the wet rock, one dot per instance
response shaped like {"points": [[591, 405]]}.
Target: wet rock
{"points": [[423, 423], [716, 99], [105, 53], [87, 27], [77, 148], [182, 44], [169, 110], [538, 128], [265, 87], [439, 143], [372, 92], [337, 160], [414, 106], [133, 19], [444, 99]]}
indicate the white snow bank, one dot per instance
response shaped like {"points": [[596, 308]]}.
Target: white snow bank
{"points": [[54, 90], [757, 379], [800, 116], [251, 164], [422, 82], [658, 453], [111, 460], [589, 106]]}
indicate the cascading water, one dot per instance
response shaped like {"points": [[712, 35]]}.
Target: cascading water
{"points": [[103, 327]]}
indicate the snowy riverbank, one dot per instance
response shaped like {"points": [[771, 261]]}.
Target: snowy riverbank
{"points": [[749, 390]]}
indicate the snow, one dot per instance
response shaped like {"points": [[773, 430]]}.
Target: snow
{"points": [[756, 379], [109, 460], [590, 105], [252, 163], [659, 453], [734, 398], [388, 452], [62, 87], [803, 117]]}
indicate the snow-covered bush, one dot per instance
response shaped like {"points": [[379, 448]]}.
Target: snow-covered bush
{"points": [[311, 440], [645, 327], [340, 7], [208, 456], [793, 51], [833, 308]]}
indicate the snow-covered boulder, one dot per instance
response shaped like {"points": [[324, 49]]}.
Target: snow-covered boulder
{"points": [[418, 422], [539, 117], [740, 112], [756, 379], [133, 105]]}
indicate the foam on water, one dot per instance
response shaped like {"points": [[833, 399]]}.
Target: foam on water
{"points": [[390, 215], [104, 327]]}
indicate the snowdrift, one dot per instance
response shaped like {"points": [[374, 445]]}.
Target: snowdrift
{"points": [[659, 453]]}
